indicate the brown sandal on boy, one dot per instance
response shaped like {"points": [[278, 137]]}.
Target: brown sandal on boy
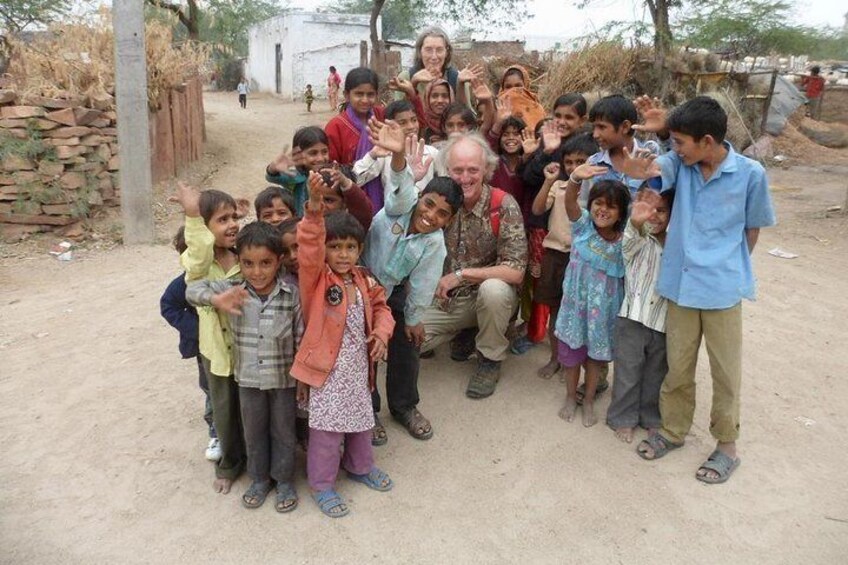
{"points": [[378, 432], [416, 424]]}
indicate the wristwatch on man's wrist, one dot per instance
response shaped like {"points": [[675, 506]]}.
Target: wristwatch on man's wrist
{"points": [[458, 274]]}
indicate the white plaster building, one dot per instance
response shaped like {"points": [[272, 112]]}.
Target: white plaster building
{"points": [[288, 52]]}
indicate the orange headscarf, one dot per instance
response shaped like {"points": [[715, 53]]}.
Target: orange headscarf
{"points": [[525, 76], [525, 104]]}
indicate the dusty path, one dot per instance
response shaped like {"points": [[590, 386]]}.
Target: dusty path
{"points": [[103, 437]]}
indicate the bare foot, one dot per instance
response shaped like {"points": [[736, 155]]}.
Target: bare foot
{"points": [[589, 418], [549, 370], [624, 434], [222, 485], [568, 410]]}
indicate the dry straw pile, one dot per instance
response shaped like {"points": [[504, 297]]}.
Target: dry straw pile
{"points": [[605, 66], [79, 60]]}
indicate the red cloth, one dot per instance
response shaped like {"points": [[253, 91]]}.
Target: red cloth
{"points": [[511, 183], [814, 84], [344, 136]]}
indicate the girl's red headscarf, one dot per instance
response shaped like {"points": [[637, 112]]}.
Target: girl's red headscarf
{"points": [[433, 118]]}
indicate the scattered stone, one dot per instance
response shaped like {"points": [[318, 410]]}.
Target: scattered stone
{"points": [[8, 123], [85, 116], [66, 132], [57, 209], [17, 163], [114, 163], [42, 219], [50, 168], [24, 177], [54, 103], [65, 116], [100, 123], [8, 97], [72, 180], [22, 112]]}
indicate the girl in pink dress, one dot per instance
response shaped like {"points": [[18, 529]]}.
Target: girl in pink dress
{"points": [[348, 325]]}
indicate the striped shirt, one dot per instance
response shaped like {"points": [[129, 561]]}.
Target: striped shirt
{"points": [[642, 253], [266, 335]]}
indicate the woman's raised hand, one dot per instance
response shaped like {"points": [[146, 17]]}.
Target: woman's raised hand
{"points": [[471, 72]]}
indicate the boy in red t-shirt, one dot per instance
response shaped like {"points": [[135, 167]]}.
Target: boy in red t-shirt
{"points": [[814, 85]]}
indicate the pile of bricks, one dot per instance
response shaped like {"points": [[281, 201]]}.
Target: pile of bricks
{"points": [[58, 161]]}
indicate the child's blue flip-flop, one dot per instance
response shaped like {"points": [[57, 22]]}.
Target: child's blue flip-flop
{"points": [[376, 479], [329, 500]]}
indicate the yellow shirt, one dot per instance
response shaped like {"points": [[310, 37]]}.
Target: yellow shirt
{"points": [[198, 260]]}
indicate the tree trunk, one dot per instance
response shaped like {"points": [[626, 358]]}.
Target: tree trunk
{"points": [[193, 21], [376, 43], [662, 42]]}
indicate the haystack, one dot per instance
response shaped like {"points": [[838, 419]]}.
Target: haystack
{"points": [[77, 61]]}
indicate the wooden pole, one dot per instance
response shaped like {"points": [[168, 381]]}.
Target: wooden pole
{"points": [[767, 103], [133, 127]]}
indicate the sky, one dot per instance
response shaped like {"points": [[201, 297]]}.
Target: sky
{"points": [[554, 20]]}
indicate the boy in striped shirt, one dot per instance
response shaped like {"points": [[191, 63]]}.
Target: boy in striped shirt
{"points": [[640, 359]]}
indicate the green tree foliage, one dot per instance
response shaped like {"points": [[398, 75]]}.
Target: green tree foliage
{"points": [[17, 15], [226, 22], [660, 28], [746, 28], [401, 19]]}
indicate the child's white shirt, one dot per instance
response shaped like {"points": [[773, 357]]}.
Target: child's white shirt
{"points": [[368, 168]]}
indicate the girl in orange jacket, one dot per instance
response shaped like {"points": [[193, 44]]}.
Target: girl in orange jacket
{"points": [[348, 325]]}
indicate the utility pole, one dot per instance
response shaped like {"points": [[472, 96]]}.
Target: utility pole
{"points": [[133, 128]]}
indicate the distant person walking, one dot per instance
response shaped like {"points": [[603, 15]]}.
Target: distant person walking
{"points": [[334, 81], [814, 89], [243, 89]]}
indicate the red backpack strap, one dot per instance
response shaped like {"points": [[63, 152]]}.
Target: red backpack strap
{"points": [[495, 210]]}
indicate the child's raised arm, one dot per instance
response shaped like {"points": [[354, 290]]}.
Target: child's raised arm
{"points": [[200, 242], [572, 189], [389, 137], [544, 198], [221, 295]]}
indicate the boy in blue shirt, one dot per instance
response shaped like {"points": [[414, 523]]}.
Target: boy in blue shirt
{"points": [[722, 200], [405, 250]]}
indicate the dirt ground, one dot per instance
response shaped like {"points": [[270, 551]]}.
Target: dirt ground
{"points": [[103, 434]]}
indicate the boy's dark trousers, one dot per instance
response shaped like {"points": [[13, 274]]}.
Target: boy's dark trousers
{"points": [[243, 100], [402, 363], [203, 383], [268, 417], [640, 368], [227, 417]]}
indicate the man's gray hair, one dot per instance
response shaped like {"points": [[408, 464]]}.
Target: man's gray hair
{"points": [[490, 159]]}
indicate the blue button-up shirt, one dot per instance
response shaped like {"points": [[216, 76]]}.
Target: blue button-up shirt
{"points": [[706, 262], [393, 255]]}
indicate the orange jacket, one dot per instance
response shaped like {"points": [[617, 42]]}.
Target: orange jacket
{"points": [[325, 322]]}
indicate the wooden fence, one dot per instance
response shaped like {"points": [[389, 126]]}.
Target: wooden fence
{"points": [[177, 130]]}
